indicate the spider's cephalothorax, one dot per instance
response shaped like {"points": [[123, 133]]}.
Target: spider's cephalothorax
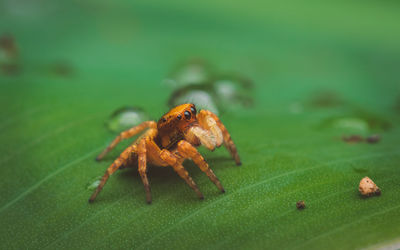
{"points": [[169, 142], [173, 126]]}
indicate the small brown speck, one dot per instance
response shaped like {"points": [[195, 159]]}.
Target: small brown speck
{"points": [[326, 99], [300, 205], [353, 138], [62, 69], [9, 46], [10, 68], [8, 55], [373, 139]]}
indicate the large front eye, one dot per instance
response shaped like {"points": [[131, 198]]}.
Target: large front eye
{"points": [[187, 115], [193, 109]]}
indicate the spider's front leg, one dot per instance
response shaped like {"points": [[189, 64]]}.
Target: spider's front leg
{"points": [[124, 156], [187, 150], [210, 121], [166, 158], [142, 168], [125, 135]]}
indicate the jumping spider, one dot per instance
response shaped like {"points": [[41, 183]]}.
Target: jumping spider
{"points": [[169, 142]]}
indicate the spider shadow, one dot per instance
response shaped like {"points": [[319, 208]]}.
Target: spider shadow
{"points": [[164, 178], [221, 160], [167, 174]]}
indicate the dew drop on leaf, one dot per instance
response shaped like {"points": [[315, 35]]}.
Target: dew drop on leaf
{"points": [[233, 93], [201, 98], [296, 108], [93, 184], [351, 123], [125, 118], [358, 122], [192, 72]]}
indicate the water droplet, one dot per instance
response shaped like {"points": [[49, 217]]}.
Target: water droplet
{"points": [[199, 97], [233, 92], [296, 108], [125, 118], [192, 72], [225, 89], [93, 184], [195, 82], [351, 123], [360, 122]]}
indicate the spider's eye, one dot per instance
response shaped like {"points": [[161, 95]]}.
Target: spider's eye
{"points": [[163, 120], [179, 117], [187, 115], [193, 109]]}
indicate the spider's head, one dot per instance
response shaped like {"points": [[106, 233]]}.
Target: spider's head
{"points": [[178, 119]]}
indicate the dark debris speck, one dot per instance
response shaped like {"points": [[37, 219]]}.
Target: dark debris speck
{"points": [[353, 138], [373, 139], [300, 205]]}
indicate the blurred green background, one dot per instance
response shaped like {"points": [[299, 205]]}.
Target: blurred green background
{"points": [[319, 71]]}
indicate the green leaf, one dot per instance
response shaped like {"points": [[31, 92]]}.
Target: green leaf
{"points": [[117, 54]]}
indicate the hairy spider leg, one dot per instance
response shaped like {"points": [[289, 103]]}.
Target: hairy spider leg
{"points": [[142, 168], [127, 134], [123, 157], [186, 150], [176, 164], [228, 142]]}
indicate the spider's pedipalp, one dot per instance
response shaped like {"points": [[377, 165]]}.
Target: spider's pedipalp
{"points": [[208, 123], [125, 135], [186, 150], [124, 156], [206, 138], [203, 116]]}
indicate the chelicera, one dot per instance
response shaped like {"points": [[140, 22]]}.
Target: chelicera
{"points": [[169, 142]]}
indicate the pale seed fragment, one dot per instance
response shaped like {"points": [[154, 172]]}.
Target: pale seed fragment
{"points": [[368, 187]]}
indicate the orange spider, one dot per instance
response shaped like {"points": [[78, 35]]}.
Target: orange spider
{"points": [[169, 142]]}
